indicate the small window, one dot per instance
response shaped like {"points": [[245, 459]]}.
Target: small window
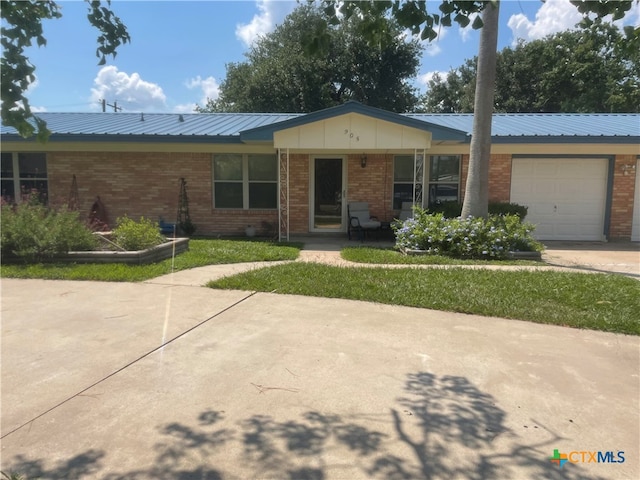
{"points": [[444, 179], [24, 175], [245, 181], [403, 174]]}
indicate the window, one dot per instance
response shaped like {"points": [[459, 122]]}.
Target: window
{"points": [[245, 181], [23, 174], [444, 179], [403, 174]]}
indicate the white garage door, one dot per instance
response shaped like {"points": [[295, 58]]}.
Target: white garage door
{"points": [[566, 196], [635, 225]]}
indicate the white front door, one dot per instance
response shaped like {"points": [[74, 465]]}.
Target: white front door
{"points": [[566, 196], [328, 184]]}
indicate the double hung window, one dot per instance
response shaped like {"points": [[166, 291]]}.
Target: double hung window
{"points": [[248, 181], [23, 175]]}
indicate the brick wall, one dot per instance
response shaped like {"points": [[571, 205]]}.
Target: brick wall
{"points": [[500, 178], [147, 184], [622, 201]]}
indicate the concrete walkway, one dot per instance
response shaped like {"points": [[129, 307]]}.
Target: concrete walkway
{"points": [[168, 380]]}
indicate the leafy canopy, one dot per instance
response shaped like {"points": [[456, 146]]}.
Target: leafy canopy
{"points": [[586, 70], [21, 27], [284, 72]]}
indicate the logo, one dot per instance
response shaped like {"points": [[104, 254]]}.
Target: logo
{"points": [[586, 457], [559, 458]]}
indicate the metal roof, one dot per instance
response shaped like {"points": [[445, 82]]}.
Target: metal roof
{"points": [[544, 124], [225, 127], [157, 124]]}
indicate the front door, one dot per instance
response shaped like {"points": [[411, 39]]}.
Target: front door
{"points": [[327, 191]]}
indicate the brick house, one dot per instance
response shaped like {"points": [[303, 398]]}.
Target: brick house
{"points": [[577, 173]]}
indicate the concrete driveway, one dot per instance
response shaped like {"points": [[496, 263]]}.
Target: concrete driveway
{"points": [[151, 381]]}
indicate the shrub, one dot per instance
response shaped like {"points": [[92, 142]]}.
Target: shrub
{"points": [[33, 231], [469, 237], [132, 235], [506, 208], [454, 209]]}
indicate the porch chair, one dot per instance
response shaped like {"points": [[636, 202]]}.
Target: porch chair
{"points": [[360, 220]]}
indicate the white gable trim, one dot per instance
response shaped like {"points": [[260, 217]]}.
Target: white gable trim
{"points": [[352, 131]]}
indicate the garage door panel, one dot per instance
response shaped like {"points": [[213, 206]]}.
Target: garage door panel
{"points": [[565, 196]]}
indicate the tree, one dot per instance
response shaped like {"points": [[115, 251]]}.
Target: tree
{"points": [[22, 25], [279, 75], [582, 70], [476, 197], [413, 14]]}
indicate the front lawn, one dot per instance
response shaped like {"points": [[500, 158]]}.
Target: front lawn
{"points": [[595, 301], [201, 253]]}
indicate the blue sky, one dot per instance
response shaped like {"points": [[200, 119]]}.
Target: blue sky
{"points": [[179, 50]]}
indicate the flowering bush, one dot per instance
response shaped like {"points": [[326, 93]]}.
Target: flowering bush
{"points": [[491, 238]]}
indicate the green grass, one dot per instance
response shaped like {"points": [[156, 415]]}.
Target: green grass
{"points": [[201, 252], [389, 256], [595, 301]]}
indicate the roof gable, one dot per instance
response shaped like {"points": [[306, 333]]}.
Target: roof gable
{"points": [[265, 133]]}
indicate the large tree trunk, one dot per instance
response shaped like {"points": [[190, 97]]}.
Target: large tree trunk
{"points": [[476, 195]]}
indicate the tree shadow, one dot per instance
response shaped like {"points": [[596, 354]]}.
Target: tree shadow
{"points": [[440, 427]]}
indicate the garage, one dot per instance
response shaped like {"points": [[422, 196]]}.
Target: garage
{"points": [[566, 196]]}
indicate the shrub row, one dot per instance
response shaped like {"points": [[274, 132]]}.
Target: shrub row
{"points": [[454, 209], [33, 232], [491, 238]]}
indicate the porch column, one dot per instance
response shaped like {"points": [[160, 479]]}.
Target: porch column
{"points": [[283, 194], [418, 175]]}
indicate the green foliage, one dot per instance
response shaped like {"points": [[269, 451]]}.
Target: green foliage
{"points": [[32, 231], [281, 75], [599, 302], [454, 209], [201, 253], [588, 70], [491, 238], [21, 26], [132, 235]]}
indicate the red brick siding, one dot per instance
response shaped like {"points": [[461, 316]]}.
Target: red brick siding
{"points": [[622, 201], [500, 178], [147, 184]]}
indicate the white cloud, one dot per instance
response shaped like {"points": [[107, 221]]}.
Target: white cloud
{"points": [[130, 91], [210, 87], [270, 13], [557, 16], [424, 78], [466, 32], [552, 17]]}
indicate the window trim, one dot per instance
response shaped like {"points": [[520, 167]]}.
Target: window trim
{"points": [[245, 182], [17, 178], [418, 197], [436, 182]]}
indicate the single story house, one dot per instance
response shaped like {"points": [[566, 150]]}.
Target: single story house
{"points": [[295, 173]]}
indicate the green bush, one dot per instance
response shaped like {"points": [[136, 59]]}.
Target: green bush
{"points": [[132, 235], [491, 238], [454, 209], [33, 231]]}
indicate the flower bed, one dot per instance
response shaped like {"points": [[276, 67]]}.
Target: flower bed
{"points": [[497, 237], [137, 257]]}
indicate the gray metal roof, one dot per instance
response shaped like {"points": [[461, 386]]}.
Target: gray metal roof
{"points": [[545, 124], [157, 124], [229, 126]]}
